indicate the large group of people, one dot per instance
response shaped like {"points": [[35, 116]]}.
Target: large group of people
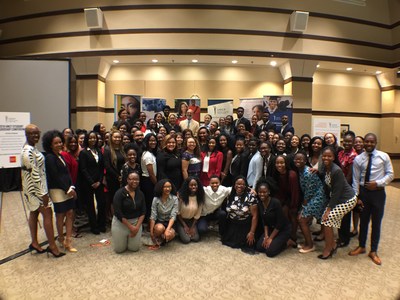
{"points": [[171, 176]]}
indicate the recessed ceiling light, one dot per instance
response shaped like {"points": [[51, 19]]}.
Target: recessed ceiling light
{"points": [[318, 66], [115, 61], [378, 72], [154, 60], [194, 61], [349, 69], [234, 61], [273, 63]]}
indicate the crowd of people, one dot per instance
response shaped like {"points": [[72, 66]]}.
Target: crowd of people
{"points": [[172, 176]]}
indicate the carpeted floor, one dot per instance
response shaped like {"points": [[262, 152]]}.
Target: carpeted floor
{"points": [[195, 271]]}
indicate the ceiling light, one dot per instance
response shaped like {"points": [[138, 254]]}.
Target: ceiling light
{"points": [[154, 60], [234, 61], [194, 61], [318, 66], [378, 72], [273, 63], [349, 69], [115, 61]]}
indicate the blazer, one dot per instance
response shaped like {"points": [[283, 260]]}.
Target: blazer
{"points": [[169, 127], [268, 126], [90, 171], [255, 169], [239, 165], [215, 165], [57, 173], [194, 126], [243, 120], [287, 129]]}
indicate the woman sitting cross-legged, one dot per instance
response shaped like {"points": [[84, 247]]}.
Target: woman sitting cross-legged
{"points": [[164, 210], [129, 211], [191, 199], [276, 226], [239, 227]]}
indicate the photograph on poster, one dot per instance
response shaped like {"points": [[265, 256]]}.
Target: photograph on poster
{"points": [[151, 106], [183, 104], [130, 102], [276, 106], [220, 108]]}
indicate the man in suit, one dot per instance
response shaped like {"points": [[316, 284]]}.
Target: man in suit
{"points": [[190, 123], [286, 127], [266, 123], [242, 119]]}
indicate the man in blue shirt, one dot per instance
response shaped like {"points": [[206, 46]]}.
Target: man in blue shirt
{"points": [[372, 171]]}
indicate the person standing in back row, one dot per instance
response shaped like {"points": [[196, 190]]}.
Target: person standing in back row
{"points": [[372, 171]]}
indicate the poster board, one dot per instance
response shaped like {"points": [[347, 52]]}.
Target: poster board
{"points": [[275, 105], [220, 108], [321, 126], [12, 137]]}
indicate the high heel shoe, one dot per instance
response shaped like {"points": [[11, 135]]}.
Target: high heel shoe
{"points": [[48, 250], [321, 256], [31, 248], [68, 247]]}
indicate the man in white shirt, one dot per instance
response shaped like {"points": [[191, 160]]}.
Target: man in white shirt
{"points": [[372, 171]]}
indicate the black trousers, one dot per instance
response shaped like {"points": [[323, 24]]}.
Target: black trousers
{"points": [[147, 187], [96, 221], [374, 207], [278, 243], [344, 230]]}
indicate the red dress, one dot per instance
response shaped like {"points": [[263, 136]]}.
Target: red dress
{"points": [[214, 166]]}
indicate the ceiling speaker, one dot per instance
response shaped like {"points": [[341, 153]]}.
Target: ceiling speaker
{"points": [[94, 18], [298, 21]]}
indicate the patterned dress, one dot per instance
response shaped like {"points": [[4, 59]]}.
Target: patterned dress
{"points": [[238, 221], [33, 173], [314, 194]]}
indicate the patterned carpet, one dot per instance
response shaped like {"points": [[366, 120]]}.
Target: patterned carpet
{"points": [[195, 271]]}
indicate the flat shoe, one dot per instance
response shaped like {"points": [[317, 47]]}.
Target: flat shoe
{"points": [[357, 251], [319, 239], [302, 250], [353, 234], [375, 258]]}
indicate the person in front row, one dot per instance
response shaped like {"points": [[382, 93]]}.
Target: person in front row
{"points": [[277, 228], [164, 210], [238, 229], [191, 199], [129, 211], [214, 196]]}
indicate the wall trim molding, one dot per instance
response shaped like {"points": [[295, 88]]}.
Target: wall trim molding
{"points": [[390, 88], [345, 114], [92, 109], [246, 53], [199, 31], [202, 7], [298, 79], [394, 155], [90, 77]]}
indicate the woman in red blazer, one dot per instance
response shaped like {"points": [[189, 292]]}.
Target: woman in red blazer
{"points": [[211, 162]]}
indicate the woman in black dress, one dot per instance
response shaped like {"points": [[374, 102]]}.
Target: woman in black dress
{"points": [[169, 162]]}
